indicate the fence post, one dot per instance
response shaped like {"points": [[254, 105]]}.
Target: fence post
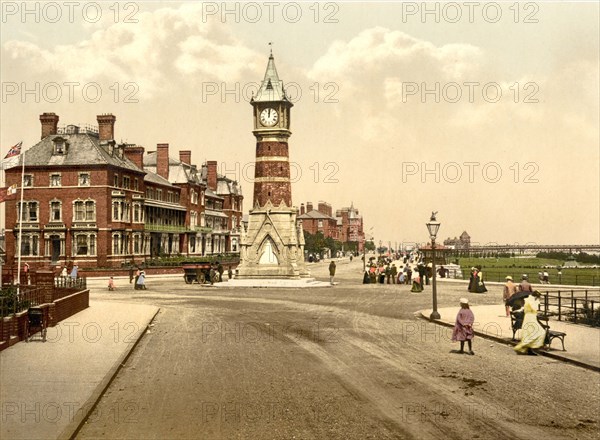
{"points": [[559, 306], [575, 311]]}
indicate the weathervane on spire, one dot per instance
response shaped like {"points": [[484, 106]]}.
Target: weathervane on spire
{"points": [[271, 47]]}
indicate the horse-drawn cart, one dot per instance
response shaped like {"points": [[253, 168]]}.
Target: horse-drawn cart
{"points": [[197, 272]]}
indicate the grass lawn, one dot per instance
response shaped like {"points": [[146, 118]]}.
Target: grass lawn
{"points": [[495, 269]]}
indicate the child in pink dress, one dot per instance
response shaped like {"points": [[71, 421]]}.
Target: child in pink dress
{"points": [[463, 328]]}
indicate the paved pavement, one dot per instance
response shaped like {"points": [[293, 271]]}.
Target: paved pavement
{"points": [[582, 343], [49, 387]]}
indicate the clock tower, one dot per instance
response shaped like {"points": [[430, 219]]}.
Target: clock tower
{"points": [[273, 245]]}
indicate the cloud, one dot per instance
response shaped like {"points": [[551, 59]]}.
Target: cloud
{"points": [[164, 47]]}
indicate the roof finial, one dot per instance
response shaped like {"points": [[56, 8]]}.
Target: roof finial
{"points": [[271, 48]]}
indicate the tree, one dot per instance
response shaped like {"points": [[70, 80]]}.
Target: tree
{"points": [[369, 245]]}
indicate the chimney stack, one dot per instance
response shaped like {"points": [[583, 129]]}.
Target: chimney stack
{"points": [[135, 153], [302, 209], [162, 160], [309, 206], [49, 124], [106, 127], [185, 156], [211, 174]]}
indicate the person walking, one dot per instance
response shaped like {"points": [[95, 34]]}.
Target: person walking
{"points": [[394, 273], [331, 272], [388, 273], [524, 285], [141, 281], [463, 327], [130, 273], [416, 283], [137, 277], [74, 273], [510, 289], [220, 269], [64, 274], [480, 288], [111, 284]]}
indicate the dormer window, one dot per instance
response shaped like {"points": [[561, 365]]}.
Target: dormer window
{"points": [[60, 146]]}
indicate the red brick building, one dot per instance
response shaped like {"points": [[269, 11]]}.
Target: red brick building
{"points": [[346, 226], [91, 200], [319, 220]]}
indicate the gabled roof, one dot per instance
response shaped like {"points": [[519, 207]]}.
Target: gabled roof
{"points": [[83, 149]]}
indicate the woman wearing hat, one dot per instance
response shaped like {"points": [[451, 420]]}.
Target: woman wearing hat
{"points": [[463, 327], [510, 289], [533, 334]]}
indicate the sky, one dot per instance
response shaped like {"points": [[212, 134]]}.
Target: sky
{"points": [[485, 112]]}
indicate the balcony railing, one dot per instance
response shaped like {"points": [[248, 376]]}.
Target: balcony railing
{"points": [[164, 228]]}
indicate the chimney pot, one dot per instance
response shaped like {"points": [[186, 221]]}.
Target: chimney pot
{"points": [[185, 156], [211, 174], [106, 127], [49, 124], [162, 160]]}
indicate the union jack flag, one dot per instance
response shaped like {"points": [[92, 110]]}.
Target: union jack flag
{"points": [[14, 151]]}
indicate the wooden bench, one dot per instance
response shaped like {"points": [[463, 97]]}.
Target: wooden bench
{"points": [[516, 322]]}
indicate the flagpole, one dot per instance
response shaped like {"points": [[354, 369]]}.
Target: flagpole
{"points": [[20, 225], [3, 221]]}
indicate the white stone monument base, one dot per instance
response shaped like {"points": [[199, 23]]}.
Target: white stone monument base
{"points": [[273, 283]]}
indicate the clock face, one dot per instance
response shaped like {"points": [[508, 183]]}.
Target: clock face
{"points": [[269, 117]]}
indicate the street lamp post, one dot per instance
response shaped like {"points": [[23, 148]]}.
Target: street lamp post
{"points": [[433, 226]]}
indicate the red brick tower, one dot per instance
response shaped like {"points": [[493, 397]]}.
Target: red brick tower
{"points": [[272, 130], [273, 245]]}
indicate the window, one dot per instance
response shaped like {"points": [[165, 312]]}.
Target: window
{"points": [[121, 210], [126, 182], [159, 194], [116, 210], [194, 197], [55, 179], [234, 245], [84, 211], [82, 244], [137, 244], [136, 185], [84, 179], [60, 145], [90, 210], [116, 180], [192, 244], [116, 244], [28, 180], [30, 244], [55, 211], [193, 219], [85, 244], [170, 196], [202, 197], [30, 211], [137, 213]]}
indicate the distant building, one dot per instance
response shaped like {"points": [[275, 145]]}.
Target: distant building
{"points": [[346, 226], [351, 226], [319, 220], [462, 242]]}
